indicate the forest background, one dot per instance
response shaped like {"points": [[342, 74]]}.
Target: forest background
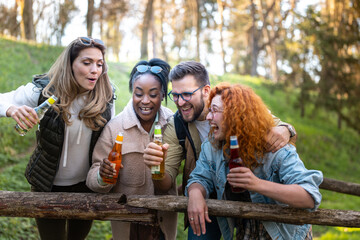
{"points": [[304, 62]]}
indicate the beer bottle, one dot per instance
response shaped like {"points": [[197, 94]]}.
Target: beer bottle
{"points": [[158, 171], [40, 111], [115, 158], [235, 160]]}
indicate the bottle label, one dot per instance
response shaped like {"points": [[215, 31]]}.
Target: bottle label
{"points": [[155, 169], [113, 165]]}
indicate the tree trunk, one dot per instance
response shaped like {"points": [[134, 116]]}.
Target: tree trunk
{"points": [[145, 29], [162, 42], [101, 18], [198, 30], [254, 42], [153, 37], [27, 22], [90, 17], [221, 26], [267, 14]]}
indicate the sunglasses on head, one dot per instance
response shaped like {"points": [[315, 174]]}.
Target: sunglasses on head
{"points": [[87, 41], [145, 68]]}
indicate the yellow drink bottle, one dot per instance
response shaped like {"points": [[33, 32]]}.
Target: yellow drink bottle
{"points": [[40, 111], [158, 172]]}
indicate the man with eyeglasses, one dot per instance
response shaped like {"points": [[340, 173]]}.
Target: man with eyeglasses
{"points": [[190, 91]]}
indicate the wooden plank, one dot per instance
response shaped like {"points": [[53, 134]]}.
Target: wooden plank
{"points": [[340, 186], [266, 212], [71, 206]]}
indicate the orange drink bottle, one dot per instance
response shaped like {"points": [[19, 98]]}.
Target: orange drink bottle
{"points": [[115, 158]]}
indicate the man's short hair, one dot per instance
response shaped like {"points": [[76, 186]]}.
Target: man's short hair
{"points": [[193, 68]]}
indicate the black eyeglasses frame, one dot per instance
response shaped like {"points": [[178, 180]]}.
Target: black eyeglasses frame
{"points": [[171, 95]]}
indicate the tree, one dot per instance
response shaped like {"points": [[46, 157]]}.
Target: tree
{"points": [[110, 14], [27, 22], [336, 35], [145, 28], [64, 15], [221, 6], [90, 17], [8, 18]]}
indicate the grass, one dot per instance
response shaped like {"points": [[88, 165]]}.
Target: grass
{"points": [[320, 144]]}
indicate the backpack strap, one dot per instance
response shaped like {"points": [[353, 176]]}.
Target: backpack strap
{"points": [[182, 132]]}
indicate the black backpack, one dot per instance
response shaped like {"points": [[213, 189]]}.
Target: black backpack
{"points": [[182, 132]]}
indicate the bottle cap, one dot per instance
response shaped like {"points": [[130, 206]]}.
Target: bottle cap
{"points": [[52, 99], [233, 140], [157, 130], [119, 137]]}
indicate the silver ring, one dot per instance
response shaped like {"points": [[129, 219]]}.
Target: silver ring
{"points": [[206, 212], [191, 219]]}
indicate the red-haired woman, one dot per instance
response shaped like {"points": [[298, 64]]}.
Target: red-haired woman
{"points": [[273, 178]]}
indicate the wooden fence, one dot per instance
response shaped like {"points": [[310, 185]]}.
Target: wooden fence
{"points": [[115, 206]]}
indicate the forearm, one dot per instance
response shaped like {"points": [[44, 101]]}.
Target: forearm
{"points": [[164, 184], [196, 188], [293, 195]]}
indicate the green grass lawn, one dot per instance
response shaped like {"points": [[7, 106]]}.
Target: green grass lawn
{"points": [[320, 144]]}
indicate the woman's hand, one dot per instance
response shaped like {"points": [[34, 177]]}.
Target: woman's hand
{"points": [[25, 116], [197, 209], [291, 194], [154, 154], [243, 177], [106, 170]]}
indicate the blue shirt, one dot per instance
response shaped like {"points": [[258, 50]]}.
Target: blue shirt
{"points": [[283, 166]]}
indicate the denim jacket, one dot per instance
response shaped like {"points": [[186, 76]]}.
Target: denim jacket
{"points": [[283, 166]]}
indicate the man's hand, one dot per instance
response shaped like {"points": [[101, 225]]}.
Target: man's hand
{"points": [[197, 209], [278, 137], [154, 154]]}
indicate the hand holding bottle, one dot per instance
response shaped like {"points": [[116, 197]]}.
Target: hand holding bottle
{"points": [[112, 164], [25, 116], [154, 154], [106, 169], [28, 113]]}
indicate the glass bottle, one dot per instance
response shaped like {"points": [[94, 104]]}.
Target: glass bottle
{"points": [[115, 158], [40, 111], [158, 171], [235, 160]]}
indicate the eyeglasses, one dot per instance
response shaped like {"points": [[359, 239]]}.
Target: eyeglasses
{"points": [[87, 41], [186, 96], [213, 111], [145, 68]]}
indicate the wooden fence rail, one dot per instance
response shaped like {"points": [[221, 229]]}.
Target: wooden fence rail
{"points": [[340, 186], [143, 208]]}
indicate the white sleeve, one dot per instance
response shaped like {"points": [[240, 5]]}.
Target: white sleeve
{"points": [[25, 95]]}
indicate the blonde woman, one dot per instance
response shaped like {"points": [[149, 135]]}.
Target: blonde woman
{"points": [[69, 130]]}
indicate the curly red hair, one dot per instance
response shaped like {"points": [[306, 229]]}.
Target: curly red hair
{"points": [[246, 116]]}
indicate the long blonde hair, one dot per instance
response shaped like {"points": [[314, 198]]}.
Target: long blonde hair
{"points": [[64, 85]]}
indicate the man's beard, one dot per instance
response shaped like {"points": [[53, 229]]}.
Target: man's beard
{"points": [[197, 111]]}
